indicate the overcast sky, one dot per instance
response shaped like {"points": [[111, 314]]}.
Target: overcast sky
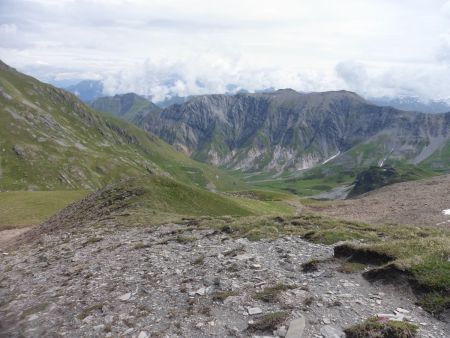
{"points": [[185, 47]]}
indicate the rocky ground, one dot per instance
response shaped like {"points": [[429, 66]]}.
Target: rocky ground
{"points": [[180, 281], [385, 205]]}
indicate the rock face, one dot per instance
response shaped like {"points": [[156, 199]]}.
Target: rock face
{"points": [[287, 130]]}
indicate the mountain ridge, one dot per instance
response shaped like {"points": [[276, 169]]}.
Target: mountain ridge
{"points": [[287, 130]]}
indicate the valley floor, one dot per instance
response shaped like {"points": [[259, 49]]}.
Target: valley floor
{"points": [[178, 280]]}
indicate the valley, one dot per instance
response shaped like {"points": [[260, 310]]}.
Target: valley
{"points": [[280, 213]]}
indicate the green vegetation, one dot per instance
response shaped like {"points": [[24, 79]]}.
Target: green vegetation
{"points": [[127, 106], [140, 246], [439, 161], [35, 309], [270, 294], [160, 199], [185, 239], [222, 295], [269, 322], [351, 267], [199, 260], [377, 328], [25, 208], [92, 240], [49, 140]]}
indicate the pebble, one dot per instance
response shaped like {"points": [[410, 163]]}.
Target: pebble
{"points": [[400, 310], [326, 321], [328, 331], [281, 331], [254, 310], [143, 334], [125, 296], [99, 327], [296, 328]]}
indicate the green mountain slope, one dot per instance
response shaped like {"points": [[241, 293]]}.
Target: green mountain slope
{"points": [[130, 107], [50, 140]]}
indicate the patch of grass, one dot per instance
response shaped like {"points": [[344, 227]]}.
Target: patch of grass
{"points": [[139, 246], [351, 267], [376, 328], [422, 262], [269, 322], [25, 208], [185, 239], [199, 260], [222, 295], [35, 309], [87, 312], [435, 303], [270, 294], [92, 240]]}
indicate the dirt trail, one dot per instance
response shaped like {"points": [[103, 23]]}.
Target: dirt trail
{"points": [[6, 236]]}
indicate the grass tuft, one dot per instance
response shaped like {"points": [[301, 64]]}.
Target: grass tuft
{"points": [[269, 322], [270, 294], [376, 328]]}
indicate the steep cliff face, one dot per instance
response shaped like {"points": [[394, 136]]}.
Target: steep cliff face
{"points": [[287, 130]]}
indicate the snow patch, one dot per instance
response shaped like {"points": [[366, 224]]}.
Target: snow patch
{"points": [[332, 157], [446, 212]]}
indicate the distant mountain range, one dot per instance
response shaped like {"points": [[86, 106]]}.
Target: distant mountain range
{"points": [[90, 90], [287, 131], [412, 104], [87, 90]]}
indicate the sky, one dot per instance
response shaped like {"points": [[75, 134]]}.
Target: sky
{"points": [[163, 48]]}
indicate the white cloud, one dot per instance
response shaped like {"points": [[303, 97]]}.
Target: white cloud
{"points": [[167, 47], [446, 9], [8, 29]]}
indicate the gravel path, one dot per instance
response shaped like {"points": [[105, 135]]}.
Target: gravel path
{"points": [[165, 282], [6, 236]]}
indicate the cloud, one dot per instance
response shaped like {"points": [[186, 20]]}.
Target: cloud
{"points": [[354, 74], [177, 47], [446, 9]]}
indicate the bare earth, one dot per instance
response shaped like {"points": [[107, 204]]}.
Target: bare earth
{"points": [[416, 203], [6, 236]]}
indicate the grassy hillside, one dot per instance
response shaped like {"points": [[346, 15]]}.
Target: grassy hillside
{"points": [[49, 140], [130, 107], [26, 208], [157, 199]]}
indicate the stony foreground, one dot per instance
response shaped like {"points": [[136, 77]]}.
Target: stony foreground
{"points": [[179, 281]]}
